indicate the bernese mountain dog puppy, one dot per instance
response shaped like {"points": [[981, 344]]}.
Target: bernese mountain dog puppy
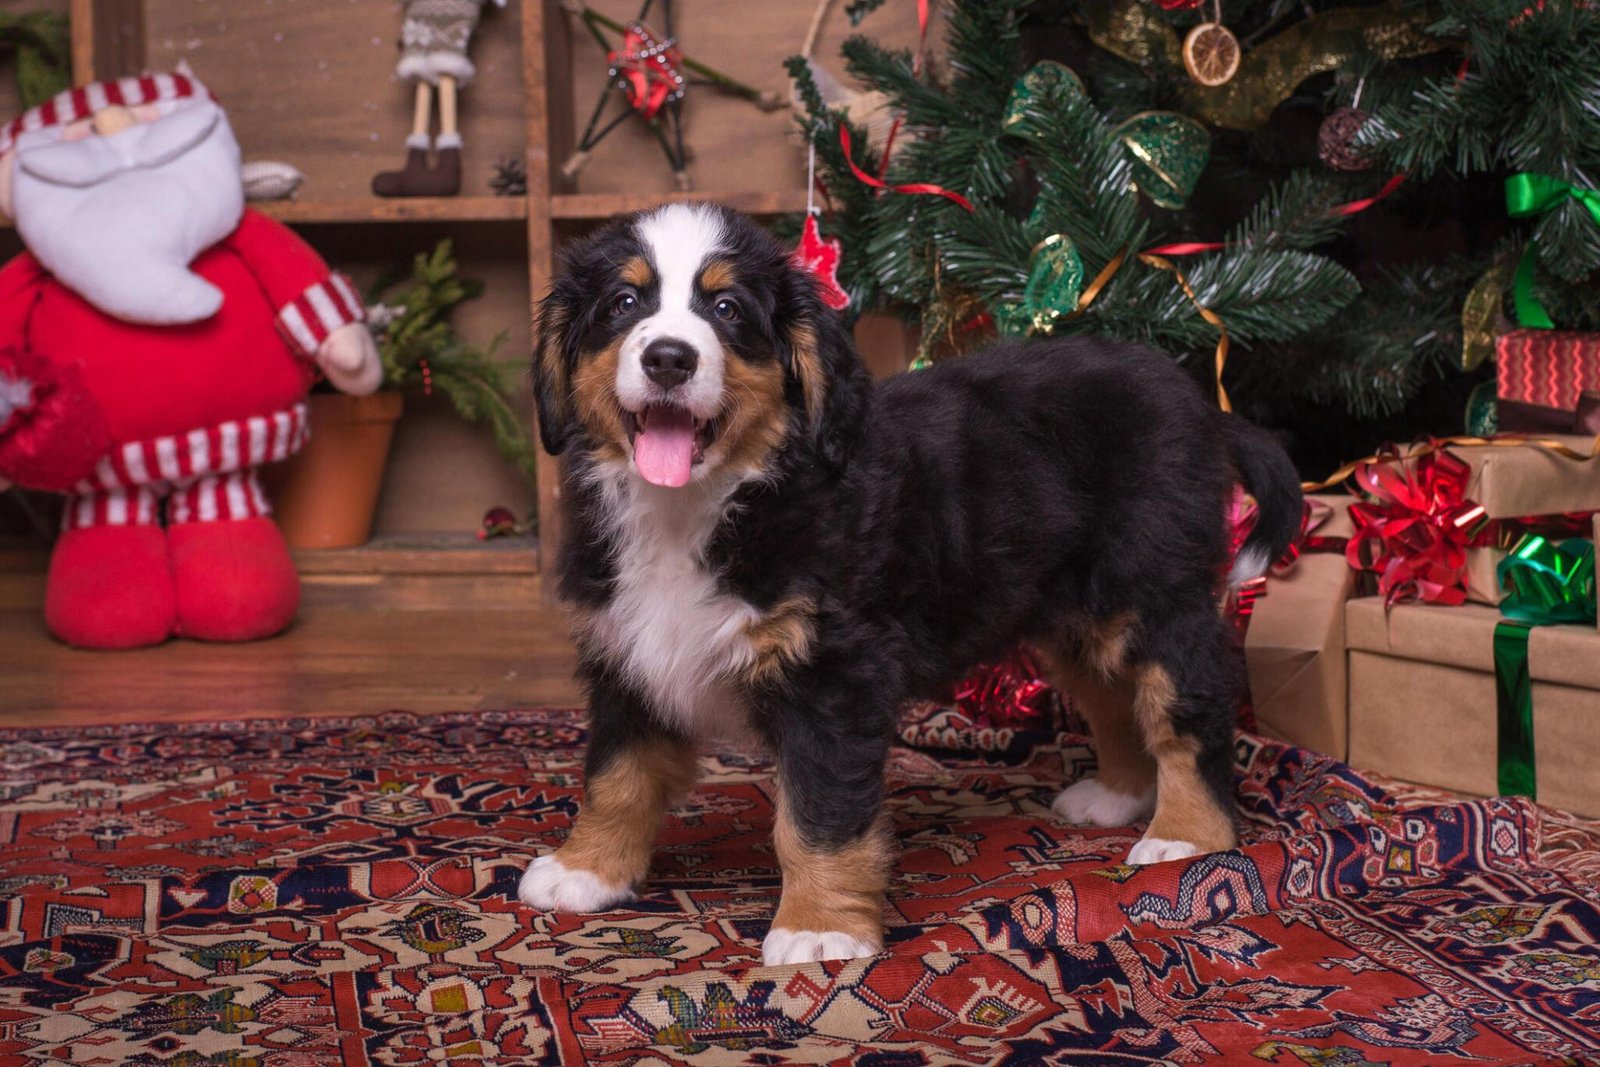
{"points": [[759, 543]]}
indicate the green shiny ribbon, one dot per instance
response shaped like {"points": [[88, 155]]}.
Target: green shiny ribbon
{"points": [[1544, 584], [1528, 195]]}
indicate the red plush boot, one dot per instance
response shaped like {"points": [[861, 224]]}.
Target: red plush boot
{"points": [[234, 577], [110, 584]]}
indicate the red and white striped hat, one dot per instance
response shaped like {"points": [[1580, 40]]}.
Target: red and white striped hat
{"points": [[71, 105]]}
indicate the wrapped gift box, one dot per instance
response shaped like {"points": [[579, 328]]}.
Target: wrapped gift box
{"points": [[1294, 648], [1544, 372], [1423, 700], [1520, 483]]}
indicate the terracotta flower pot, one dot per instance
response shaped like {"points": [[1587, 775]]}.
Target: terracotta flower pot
{"points": [[326, 495]]}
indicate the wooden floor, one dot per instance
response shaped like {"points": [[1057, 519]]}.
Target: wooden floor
{"points": [[334, 661]]}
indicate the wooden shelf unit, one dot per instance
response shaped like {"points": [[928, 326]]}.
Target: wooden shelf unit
{"points": [[419, 209], [561, 67]]}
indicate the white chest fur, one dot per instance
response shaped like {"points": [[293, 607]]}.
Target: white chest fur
{"points": [[668, 627]]}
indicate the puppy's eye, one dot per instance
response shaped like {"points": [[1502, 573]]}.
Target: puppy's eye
{"points": [[625, 302], [726, 310]]}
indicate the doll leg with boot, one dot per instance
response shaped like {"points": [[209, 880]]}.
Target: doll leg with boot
{"points": [[414, 179], [234, 578], [110, 583]]}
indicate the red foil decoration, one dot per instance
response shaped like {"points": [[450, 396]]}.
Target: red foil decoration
{"points": [[820, 255], [1010, 692], [1178, 5], [1414, 525], [647, 68]]}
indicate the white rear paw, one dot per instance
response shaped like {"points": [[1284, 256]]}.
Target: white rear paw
{"points": [[810, 946], [1159, 849], [550, 885], [1091, 803]]}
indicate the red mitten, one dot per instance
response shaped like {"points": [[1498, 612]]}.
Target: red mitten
{"points": [[52, 432]]}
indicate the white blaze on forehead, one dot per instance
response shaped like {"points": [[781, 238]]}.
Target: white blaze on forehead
{"points": [[678, 240]]}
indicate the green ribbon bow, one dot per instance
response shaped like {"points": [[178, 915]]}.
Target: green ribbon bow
{"points": [[1545, 584], [1534, 194]]}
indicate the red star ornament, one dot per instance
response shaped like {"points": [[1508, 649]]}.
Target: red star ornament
{"points": [[820, 255]]}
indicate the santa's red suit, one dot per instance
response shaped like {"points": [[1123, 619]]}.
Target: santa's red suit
{"points": [[153, 429]]}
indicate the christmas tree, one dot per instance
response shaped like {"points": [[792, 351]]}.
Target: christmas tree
{"points": [[1313, 194]]}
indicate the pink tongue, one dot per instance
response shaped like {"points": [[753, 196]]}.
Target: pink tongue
{"points": [[664, 449]]}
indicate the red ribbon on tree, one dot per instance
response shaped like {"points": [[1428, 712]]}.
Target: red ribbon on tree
{"points": [[1414, 525], [908, 187]]}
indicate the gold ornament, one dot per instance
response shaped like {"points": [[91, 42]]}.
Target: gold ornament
{"points": [[1481, 318], [1211, 54]]}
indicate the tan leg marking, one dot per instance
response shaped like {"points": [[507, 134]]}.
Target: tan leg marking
{"points": [[1186, 809], [622, 810], [840, 890], [780, 639], [1107, 706]]}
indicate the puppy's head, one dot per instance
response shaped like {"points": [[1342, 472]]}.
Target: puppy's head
{"points": [[686, 343]]}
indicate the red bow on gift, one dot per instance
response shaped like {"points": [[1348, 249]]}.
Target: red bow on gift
{"points": [[647, 69], [1415, 524], [1008, 693], [1242, 516]]}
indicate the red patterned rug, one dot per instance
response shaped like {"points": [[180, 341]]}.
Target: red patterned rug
{"points": [[343, 891]]}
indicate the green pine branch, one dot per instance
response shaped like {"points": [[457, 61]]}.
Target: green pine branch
{"points": [[419, 347]]}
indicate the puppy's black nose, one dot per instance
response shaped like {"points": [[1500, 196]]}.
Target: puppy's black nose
{"points": [[668, 363]]}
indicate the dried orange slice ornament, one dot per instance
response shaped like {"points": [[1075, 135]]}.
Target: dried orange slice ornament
{"points": [[1211, 54]]}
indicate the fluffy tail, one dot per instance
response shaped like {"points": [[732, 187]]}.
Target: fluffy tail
{"points": [[1272, 480]]}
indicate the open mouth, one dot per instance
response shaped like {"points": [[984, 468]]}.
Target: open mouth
{"points": [[668, 442]]}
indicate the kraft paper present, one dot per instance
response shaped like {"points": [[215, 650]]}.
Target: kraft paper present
{"points": [[1483, 583], [1423, 706], [1516, 483], [1294, 648]]}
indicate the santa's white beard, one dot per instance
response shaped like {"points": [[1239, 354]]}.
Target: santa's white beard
{"points": [[120, 221]]}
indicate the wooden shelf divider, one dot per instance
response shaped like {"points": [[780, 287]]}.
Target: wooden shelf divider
{"points": [[408, 209], [605, 205]]}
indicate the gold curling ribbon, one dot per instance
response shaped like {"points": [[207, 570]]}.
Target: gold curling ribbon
{"points": [[1206, 313], [1109, 271], [1511, 440]]}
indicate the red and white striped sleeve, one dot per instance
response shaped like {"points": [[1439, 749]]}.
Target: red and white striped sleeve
{"points": [[320, 309], [311, 301]]}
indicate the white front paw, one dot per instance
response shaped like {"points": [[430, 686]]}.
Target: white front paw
{"points": [[1091, 803], [1159, 849], [550, 885], [783, 947]]}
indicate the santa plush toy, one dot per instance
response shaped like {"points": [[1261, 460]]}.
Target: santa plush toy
{"points": [[157, 341]]}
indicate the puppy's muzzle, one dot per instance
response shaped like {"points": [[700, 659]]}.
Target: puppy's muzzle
{"points": [[668, 363]]}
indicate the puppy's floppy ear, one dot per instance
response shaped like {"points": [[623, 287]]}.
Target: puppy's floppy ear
{"points": [[552, 377], [822, 357]]}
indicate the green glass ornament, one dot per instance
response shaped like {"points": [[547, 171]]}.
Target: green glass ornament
{"points": [[1482, 415], [1037, 93], [1169, 153], [1055, 281], [1011, 319]]}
